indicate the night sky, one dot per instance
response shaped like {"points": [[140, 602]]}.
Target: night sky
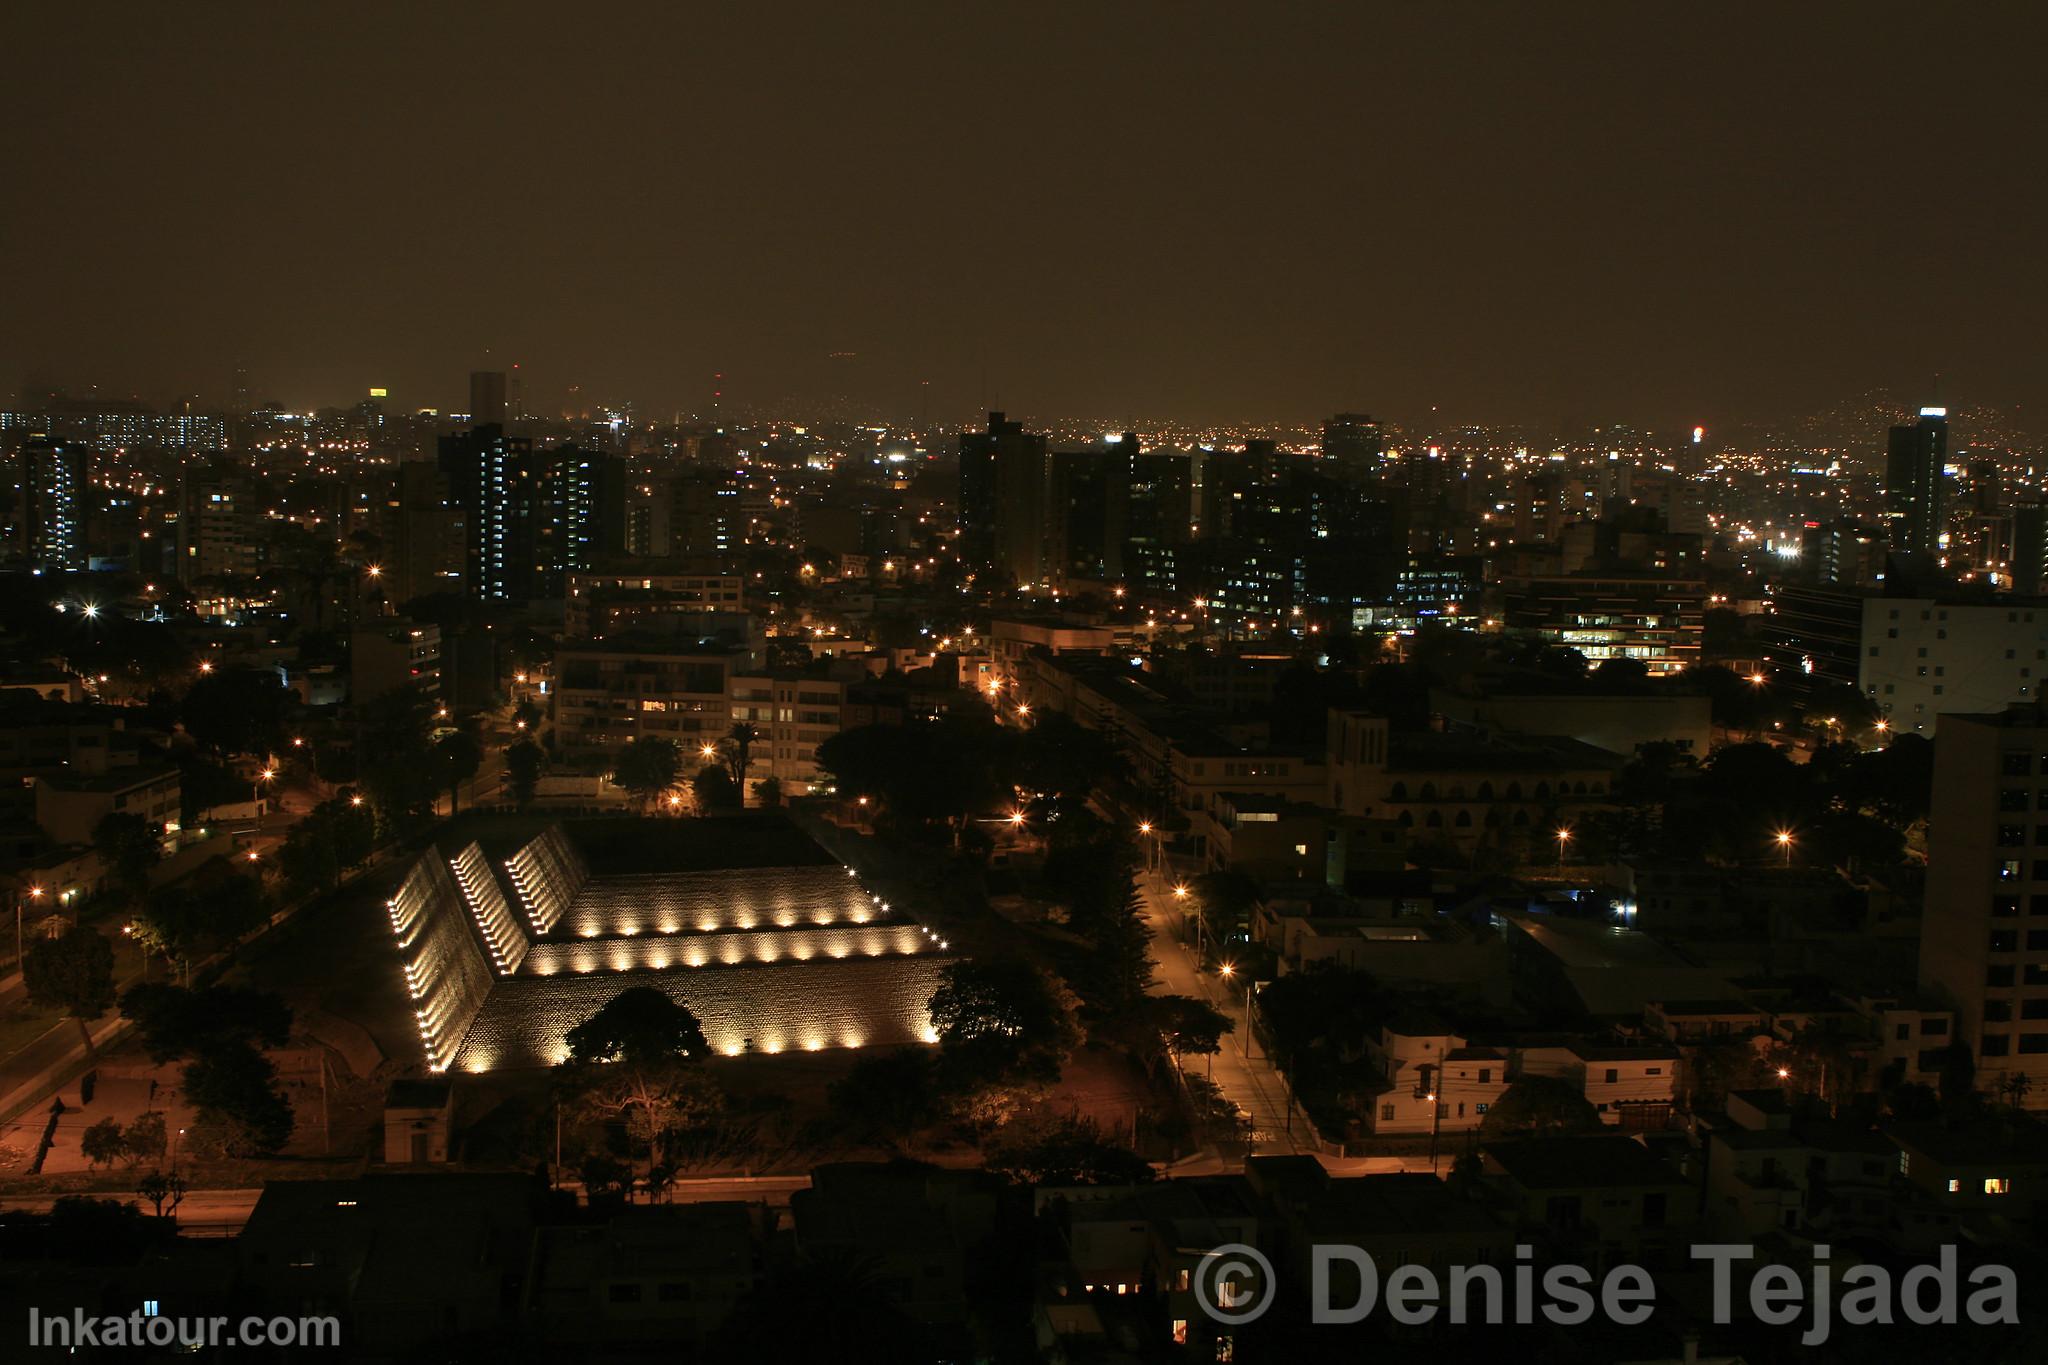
{"points": [[1641, 212]]}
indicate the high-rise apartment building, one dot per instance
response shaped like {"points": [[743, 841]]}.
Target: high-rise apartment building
{"points": [[1916, 482], [1984, 932], [50, 504], [1001, 510], [530, 516], [1924, 656]]}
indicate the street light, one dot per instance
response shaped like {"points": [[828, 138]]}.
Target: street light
{"points": [[1564, 836], [1784, 839], [708, 751], [35, 893]]}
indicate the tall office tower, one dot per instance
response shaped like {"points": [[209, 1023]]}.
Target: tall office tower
{"points": [[487, 398], [1984, 932], [1915, 484], [1353, 447], [1002, 505], [2029, 547], [50, 503], [531, 516]]}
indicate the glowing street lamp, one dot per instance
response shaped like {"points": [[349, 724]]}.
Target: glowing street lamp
{"points": [[1564, 837], [1784, 841], [708, 751]]}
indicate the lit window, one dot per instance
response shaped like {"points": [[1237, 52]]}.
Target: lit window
{"points": [[1955, 1187], [1997, 1185]]}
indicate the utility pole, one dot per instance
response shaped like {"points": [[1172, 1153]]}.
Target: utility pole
{"points": [[1436, 1116]]}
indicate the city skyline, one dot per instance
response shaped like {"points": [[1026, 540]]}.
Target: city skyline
{"points": [[1264, 219]]}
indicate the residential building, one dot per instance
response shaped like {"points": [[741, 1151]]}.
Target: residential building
{"points": [[69, 806], [1984, 932], [1606, 1198], [49, 504], [393, 653], [1926, 656], [610, 692], [604, 601], [1473, 789], [1002, 501]]}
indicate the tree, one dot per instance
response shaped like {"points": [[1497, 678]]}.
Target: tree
{"points": [[241, 1108], [1064, 1151], [129, 846], [235, 710], [888, 1097], [396, 757], [714, 789], [73, 972], [308, 859], [1188, 1026], [637, 1061], [1958, 1080], [1000, 1019], [457, 756], [739, 754], [143, 1140], [174, 1022], [159, 1188], [211, 911], [768, 791], [1913, 1103], [101, 1144], [523, 763], [1539, 1106], [1121, 964], [646, 768]]}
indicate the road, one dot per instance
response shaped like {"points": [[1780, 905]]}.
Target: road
{"points": [[1250, 1082], [223, 1213]]}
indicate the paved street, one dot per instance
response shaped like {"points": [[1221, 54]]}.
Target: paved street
{"points": [[1251, 1083], [222, 1213]]}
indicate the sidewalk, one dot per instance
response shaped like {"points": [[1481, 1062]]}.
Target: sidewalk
{"points": [[35, 1072], [1251, 1082]]}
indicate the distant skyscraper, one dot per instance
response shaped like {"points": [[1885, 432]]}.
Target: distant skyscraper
{"points": [[1353, 446], [1003, 495], [487, 398], [50, 497], [1915, 484]]}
